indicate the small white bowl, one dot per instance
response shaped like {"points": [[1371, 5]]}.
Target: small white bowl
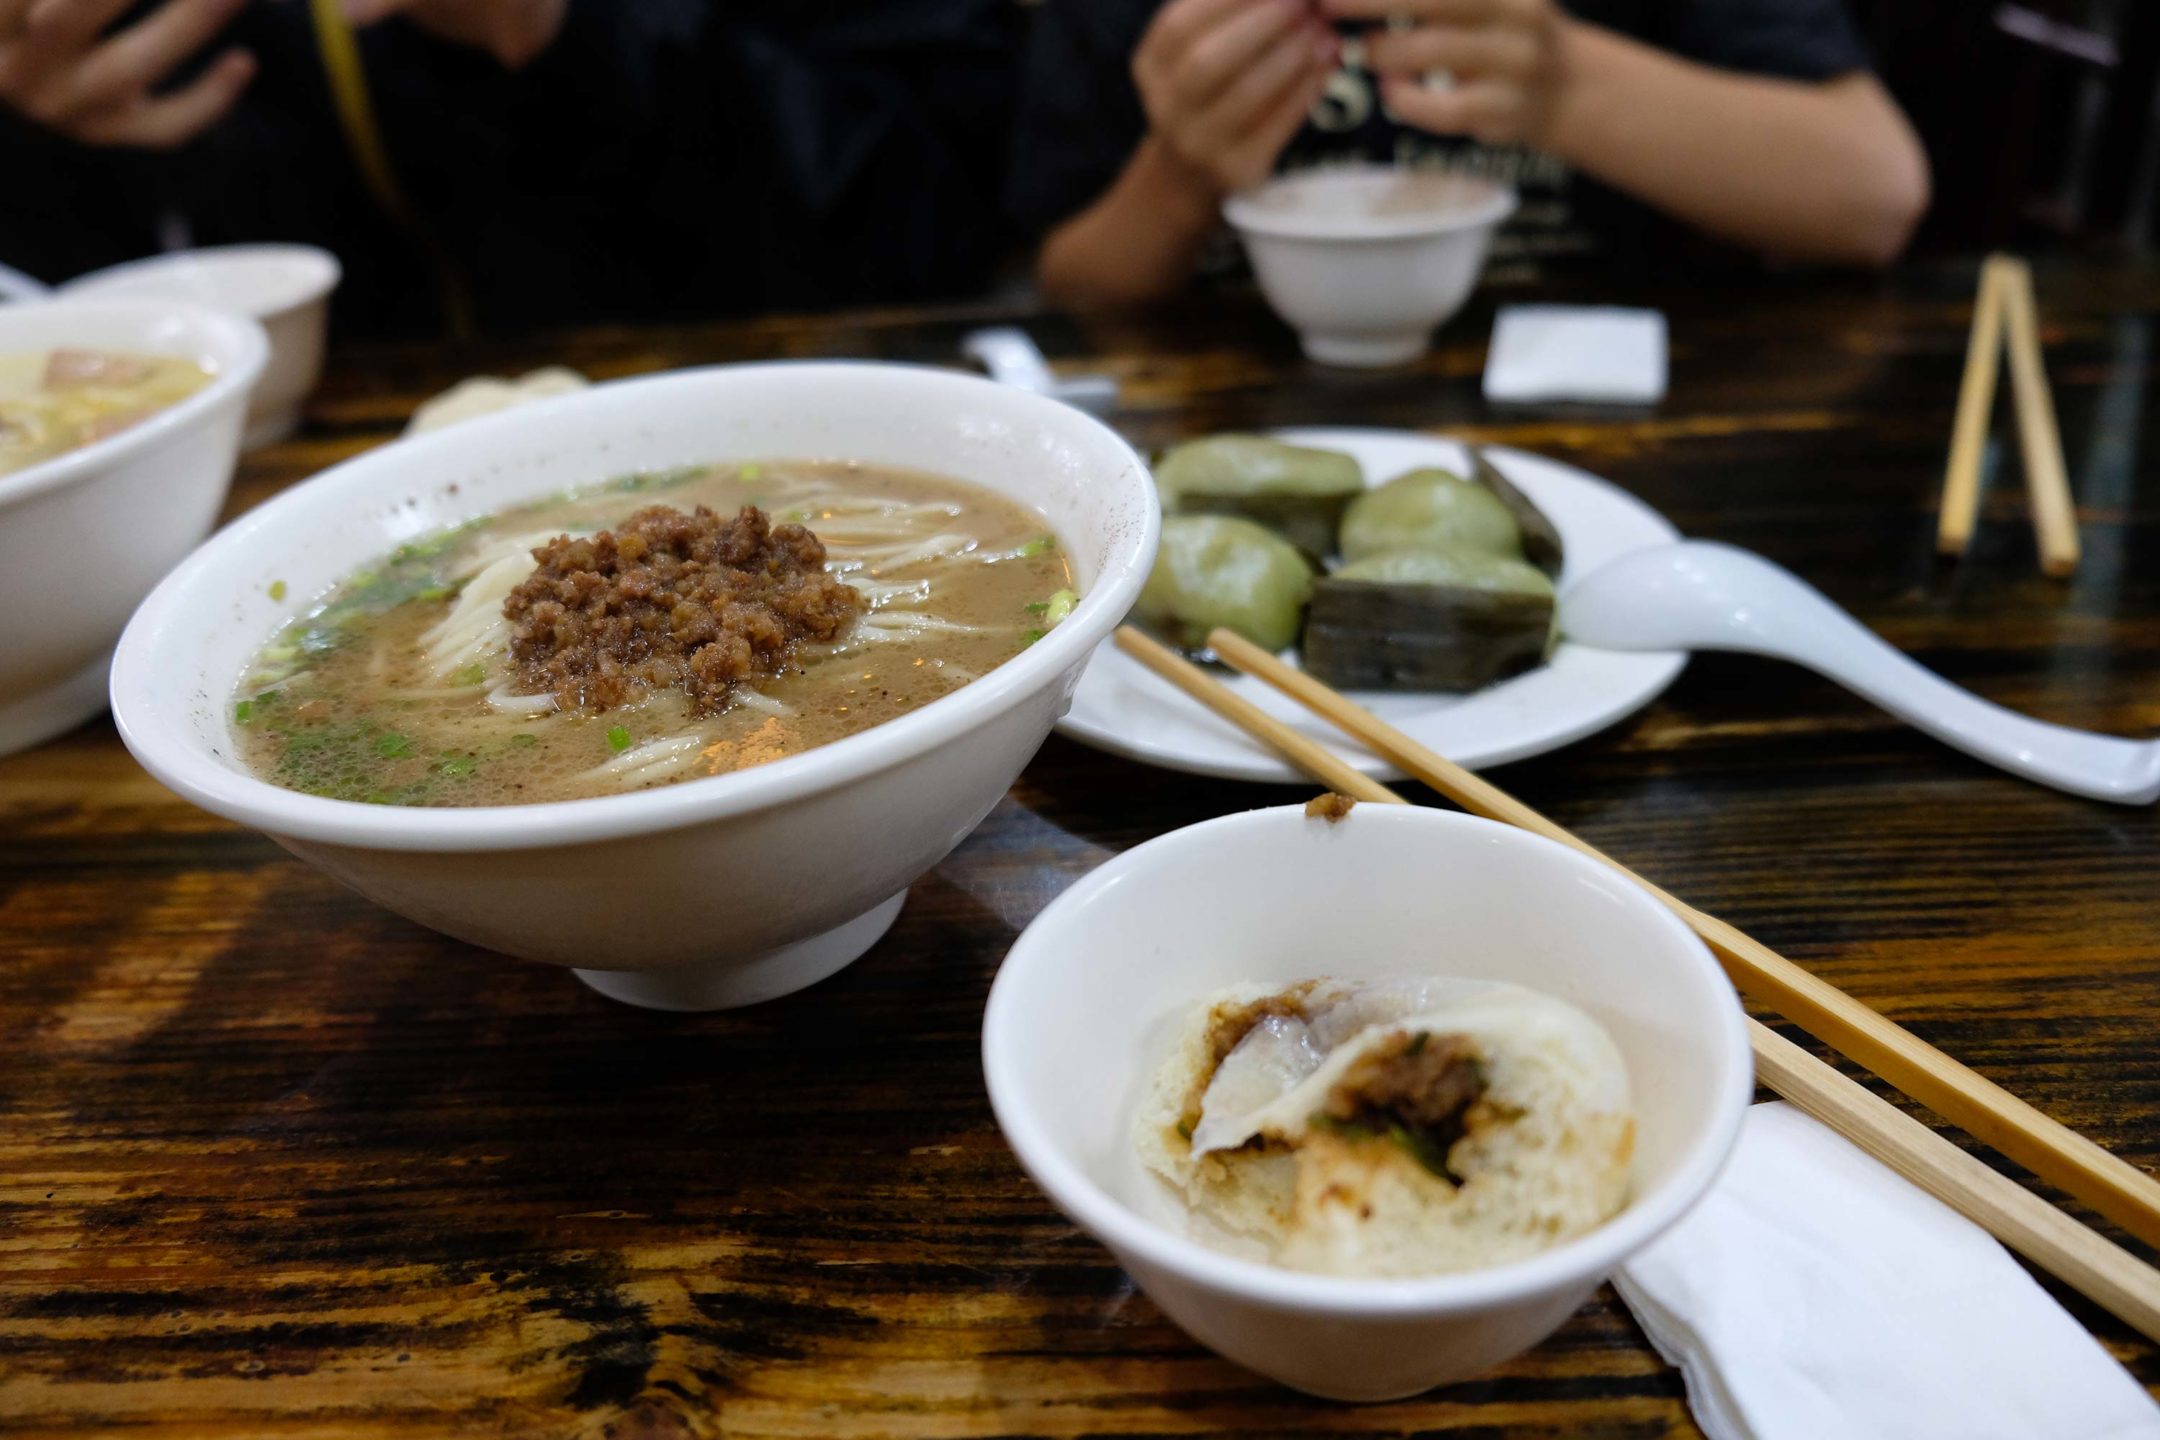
{"points": [[709, 893], [1088, 1003], [285, 287], [1364, 262], [84, 535]]}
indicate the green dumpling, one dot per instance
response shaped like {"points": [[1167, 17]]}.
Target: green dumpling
{"points": [[1427, 620], [1429, 510], [1219, 570], [1295, 490]]}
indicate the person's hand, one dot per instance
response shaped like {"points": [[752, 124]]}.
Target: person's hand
{"points": [[1507, 58], [60, 69], [513, 31], [1226, 83]]}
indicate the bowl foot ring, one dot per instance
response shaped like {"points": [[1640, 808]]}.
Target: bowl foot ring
{"points": [[726, 984]]}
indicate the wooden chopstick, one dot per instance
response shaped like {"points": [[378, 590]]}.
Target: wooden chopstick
{"points": [[2098, 1269], [1975, 404], [2047, 479], [1975, 1104], [2005, 316]]}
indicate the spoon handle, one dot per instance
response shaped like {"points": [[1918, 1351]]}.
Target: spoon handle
{"points": [[1698, 595]]}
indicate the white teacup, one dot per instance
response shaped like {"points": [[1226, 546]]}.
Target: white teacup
{"points": [[1365, 262], [1090, 999]]}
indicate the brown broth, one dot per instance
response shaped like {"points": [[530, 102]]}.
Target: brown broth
{"points": [[350, 703]]}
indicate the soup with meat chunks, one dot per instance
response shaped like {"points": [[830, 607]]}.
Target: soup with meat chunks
{"points": [[54, 401]]}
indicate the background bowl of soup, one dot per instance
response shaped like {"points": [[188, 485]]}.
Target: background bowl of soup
{"points": [[285, 287], [1364, 262], [104, 484], [705, 892]]}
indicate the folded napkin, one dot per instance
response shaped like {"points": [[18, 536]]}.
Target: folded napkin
{"points": [[1815, 1294], [1576, 352]]}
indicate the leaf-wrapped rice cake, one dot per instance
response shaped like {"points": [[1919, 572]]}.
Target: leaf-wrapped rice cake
{"points": [[1295, 490], [1429, 510], [1540, 537], [1427, 620], [1220, 570]]}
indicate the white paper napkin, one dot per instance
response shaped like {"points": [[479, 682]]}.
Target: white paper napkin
{"points": [[1814, 1293], [1576, 352]]}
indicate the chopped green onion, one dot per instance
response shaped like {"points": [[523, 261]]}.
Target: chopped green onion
{"points": [[393, 746], [1040, 607], [434, 592], [1040, 545], [522, 740], [618, 739], [277, 590], [457, 767], [244, 711], [749, 472], [1058, 606], [473, 674], [1031, 636]]}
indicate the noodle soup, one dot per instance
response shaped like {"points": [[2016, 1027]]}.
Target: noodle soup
{"points": [[481, 666], [54, 401]]}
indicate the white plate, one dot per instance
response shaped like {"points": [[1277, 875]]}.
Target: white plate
{"points": [[1123, 708]]}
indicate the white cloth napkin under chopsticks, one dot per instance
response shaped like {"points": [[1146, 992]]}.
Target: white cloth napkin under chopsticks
{"points": [[1815, 1295]]}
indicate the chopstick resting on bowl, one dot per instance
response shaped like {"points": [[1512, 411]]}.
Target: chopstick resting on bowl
{"points": [[2005, 309], [2086, 1261]]}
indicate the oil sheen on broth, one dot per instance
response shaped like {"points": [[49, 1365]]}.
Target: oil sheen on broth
{"points": [[399, 687]]}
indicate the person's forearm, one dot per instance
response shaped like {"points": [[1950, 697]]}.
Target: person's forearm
{"points": [[1138, 241], [1825, 171]]}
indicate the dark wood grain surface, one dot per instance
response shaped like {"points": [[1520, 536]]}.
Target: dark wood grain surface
{"points": [[274, 1162]]}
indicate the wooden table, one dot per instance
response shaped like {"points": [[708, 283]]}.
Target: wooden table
{"points": [[274, 1162]]}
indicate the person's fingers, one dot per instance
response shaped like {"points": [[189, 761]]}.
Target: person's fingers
{"points": [[1176, 26], [1484, 50], [14, 15], [1263, 85], [369, 12], [1490, 111], [165, 122], [1268, 135], [64, 27], [1452, 12], [1217, 59], [139, 58]]}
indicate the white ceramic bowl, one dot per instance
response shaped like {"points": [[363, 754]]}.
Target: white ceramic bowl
{"points": [[84, 535], [1365, 262], [1089, 1000], [286, 287], [713, 892]]}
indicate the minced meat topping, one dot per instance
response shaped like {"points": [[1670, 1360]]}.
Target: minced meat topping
{"points": [[668, 599]]}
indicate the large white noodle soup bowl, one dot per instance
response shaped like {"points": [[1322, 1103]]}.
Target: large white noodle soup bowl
{"points": [[84, 535], [713, 892]]}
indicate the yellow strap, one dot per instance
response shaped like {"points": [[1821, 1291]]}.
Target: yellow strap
{"points": [[347, 75]]}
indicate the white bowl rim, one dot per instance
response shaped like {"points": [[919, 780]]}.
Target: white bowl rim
{"points": [[244, 337], [556, 823], [1248, 217], [1593, 1254], [321, 269]]}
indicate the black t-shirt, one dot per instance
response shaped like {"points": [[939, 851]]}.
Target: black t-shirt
{"points": [[1080, 118]]}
